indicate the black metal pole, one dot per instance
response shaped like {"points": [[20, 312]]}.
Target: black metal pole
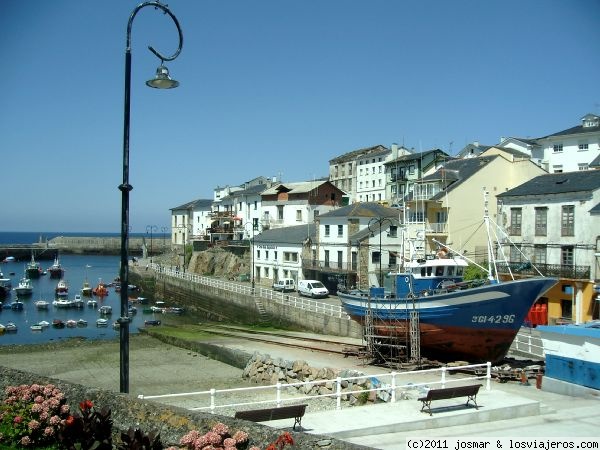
{"points": [[125, 188]]}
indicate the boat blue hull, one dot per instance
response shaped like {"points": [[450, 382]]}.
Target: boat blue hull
{"points": [[475, 324]]}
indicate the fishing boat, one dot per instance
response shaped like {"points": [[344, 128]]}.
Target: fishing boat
{"points": [[24, 288], [86, 290], [33, 269], [62, 288], [56, 270], [105, 310], [62, 303], [430, 304], [100, 290], [78, 301], [572, 353]]}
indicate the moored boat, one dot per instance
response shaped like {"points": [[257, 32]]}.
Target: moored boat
{"points": [[92, 302], [17, 305], [100, 290], [57, 323], [78, 302], [42, 304], [24, 288], [102, 322], [105, 310], [71, 323], [82, 323], [10, 327], [33, 269], [5, 281], [56, 270], [62, 288], [86, 290], [36, 327], [63, 303], [44, 323]]}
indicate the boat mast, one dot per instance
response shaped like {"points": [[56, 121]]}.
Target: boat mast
{"points": [[486, 220]]}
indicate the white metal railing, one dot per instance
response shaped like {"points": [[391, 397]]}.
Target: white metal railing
{"points": [[528, 343], [388, 389], [267, 294]]}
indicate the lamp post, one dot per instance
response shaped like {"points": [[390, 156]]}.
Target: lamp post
{"points": [[251, 251], [162, 81], [150, 229], [379, 221], [164, 233]]}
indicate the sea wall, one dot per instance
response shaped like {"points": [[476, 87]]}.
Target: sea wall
{"points": [[218, 304]]}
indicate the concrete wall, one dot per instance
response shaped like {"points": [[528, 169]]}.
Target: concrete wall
{"points": [[218, 304]]}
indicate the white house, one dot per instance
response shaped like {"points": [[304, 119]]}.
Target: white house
{"points": [[554, 221]]}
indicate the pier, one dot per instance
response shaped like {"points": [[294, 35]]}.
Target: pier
{"points": [[72, 245]]}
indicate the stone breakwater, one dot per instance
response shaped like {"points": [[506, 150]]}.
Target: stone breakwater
{"points": [[262, 369]]}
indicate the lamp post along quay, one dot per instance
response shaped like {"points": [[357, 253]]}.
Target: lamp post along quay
{"points": [[253, 227], [379, 223], [150, 229], [161, 81]]}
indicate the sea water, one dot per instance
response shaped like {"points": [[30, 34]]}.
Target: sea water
{"points": [[77, 268]]}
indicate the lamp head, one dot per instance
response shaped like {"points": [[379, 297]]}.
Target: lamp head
{"points": [[162, 79]]}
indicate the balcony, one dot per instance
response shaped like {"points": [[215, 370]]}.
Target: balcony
{"points": [[436, 228], [222, 214], [548, 270]]}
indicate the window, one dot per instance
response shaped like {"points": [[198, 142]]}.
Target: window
{"points": [[240, 206], [567, 221], [515, 254], [326, 258], [298, 215], [340, 230], [255, 205], [280, 212], [541, 221], [411, 169], [566, 255], [373, 169], [275, 255], [266, 254], [375, 257], [582, 145], [582, 166], [393, 260], [257, 254], [516, 216], [380, 169], [290, 256], [372, 183], [326, 230], [539, 254], [339, 259], [266, 272], [350, 169], [558, 148], [557, 169], [335, 171], [393, 232]]}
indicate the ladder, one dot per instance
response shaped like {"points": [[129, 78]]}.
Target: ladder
{"points": [[415, 336]]}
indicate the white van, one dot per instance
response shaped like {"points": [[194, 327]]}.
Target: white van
{"points": [[285, 284], [312, 288]]}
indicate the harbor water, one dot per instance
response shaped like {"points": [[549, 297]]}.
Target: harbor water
{"points": [[77, 268]]}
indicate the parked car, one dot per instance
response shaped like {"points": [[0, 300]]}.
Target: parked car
{"points": [[312, 288], [285, 284]]}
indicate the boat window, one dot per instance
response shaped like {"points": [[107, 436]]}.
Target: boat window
{"points": [[459, 271], [429, 271], [439, 271], [450, 271], [422, 271]]}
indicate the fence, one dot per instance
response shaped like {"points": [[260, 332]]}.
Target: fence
{"points": [[390, 389], [528, 343], [268, 294]]}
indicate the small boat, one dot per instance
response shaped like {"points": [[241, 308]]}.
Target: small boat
{"points": [[56, 270], [78, 302], [157, 309], [9, 259], [132, 310], [105, 310], [175, 310], [86, 290], [11, 327], [62, 288], [92, 302], [57, 323], [63, 303], [102, 322], [151, 323], [44, 324], [36, 327], [42, 304], [24, 287], [82, 323], [71, 323], [116, 325], [100, 290], [33, 269], [4, 281], [16, 306]]}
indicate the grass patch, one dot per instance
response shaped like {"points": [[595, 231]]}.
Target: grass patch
{"points": [[190, 333]]}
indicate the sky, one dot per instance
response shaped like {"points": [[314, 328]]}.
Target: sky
{"points": [[267, 87]]}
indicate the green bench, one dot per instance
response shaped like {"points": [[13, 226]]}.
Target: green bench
{"points": [[469, 391], [283, 412]]}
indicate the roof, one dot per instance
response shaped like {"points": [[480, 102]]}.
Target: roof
{"points": [[581, 129], [557, 183], [595, 162], [199, 204], [296, 188], [528, 141], [362, 209], [513, 151], [417, 156], [354, 154], [595, 209], [457, 171], [287, 235], [252, 190]]}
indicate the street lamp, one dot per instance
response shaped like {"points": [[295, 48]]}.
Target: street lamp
{"points": [[164, 233], [162, 81], [151, 228], [379, 221], [251, 250]]}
